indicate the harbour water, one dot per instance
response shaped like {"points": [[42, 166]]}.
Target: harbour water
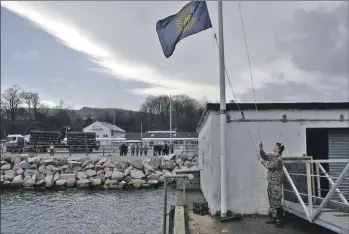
{"points": [[83, 211]]}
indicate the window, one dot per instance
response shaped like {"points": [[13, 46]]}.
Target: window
{"points": [[11, 138], [97, 135]]}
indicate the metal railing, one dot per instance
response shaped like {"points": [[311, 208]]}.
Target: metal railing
{"points": [[314, 194]]}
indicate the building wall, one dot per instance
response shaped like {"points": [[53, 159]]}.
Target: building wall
{"points": [[100, 130], [246, 182]]}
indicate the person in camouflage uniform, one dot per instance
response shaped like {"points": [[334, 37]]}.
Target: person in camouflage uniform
{"points": [[273, 162]]}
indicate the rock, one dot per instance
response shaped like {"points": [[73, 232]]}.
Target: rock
{"points": [[2, 162], [91, 173], [162, 165], [113, 184], [187, 164], [69, 170], [107, 182], [20, 171], [40, 183], [146, 185], [52, 168], [108, 164], [17, 160], [100, 172], [121, 184], [137, 174], [24, 165], [121, 166], [127, 179], [7, 166], [170, 157], [127, 171], [153, 177], [34, 176], [101, 177], [76, 169], [179, 162], [90, 166], [30, 172], [17, 182], [41, 176], [51, 161], [2, 178], [74, 163], [117, 175], [152, 182], [67, 176], [170, 165], [64, 167], [47, 172], [42, 168], [183, 157], [56, 176], [108, 174], [147, 168], [98, 167], [33, 167], [96, 183], [103, 160], [183, 168], [60, 183], [155, 162], [34, 160], [29, 183], [70, 182], [83, 183], [137, 183], [81, 175], [137, 164], [88, 162]]}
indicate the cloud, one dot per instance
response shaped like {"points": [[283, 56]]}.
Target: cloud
{"points": [[291, 44], [30, 55]]}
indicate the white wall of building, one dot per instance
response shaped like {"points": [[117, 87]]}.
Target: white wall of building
{"points": [[247, 182], [100, 129]]}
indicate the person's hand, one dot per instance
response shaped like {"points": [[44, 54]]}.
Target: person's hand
{"points": [[261, 145], [259, 157]]}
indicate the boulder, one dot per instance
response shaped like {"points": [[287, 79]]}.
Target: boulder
{"points": [[41, 176], [52, 168], [138, 164], [51, 161], [17, 160], [153, 177], [88, 162], [127, 171], [42, 168], [127, 179], [90, 166], [74, 163], [34, 177], [7, 166], [81, 175], [162, 165], [121, 166], [96, 183], [188, 164], [107, 182], [183, 157], [108, 174], [98, 167], [2, 162], [83, 183], [33, 166], [20, 171], [100, 172], [28, 183], [101, 177], [152, 182], [47, 172], [60, 183], [70, 182], [76, 169], [17, 182], [64, 167], [34, 160], [137, 183], [137, 174], [170, 157], [122, 184], [148, 168], [117, 175], [155, 162], [146, 185], [170, 165], [40, 183], [56, 176], [102, 161], [179, 162], [91, 173], [109, 164], [30, 172], [24, 165], [67, 176]]}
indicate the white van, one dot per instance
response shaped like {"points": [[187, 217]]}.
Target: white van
{"points": [[14, 143]]}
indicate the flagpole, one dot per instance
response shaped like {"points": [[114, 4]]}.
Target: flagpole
{"points": [[170, 119], [222, 111]]}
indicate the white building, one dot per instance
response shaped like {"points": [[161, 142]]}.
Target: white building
{"points": [[105, 130], [320, 130]]}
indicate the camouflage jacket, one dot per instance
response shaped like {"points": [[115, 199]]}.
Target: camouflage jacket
{"points": [[274, 165]]}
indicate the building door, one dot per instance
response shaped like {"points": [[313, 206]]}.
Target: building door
{"points": [[338, 148]]}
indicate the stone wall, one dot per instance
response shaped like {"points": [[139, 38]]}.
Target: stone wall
{"points": [[31, 172]]}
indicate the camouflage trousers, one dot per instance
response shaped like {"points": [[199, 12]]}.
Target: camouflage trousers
{"points": [[274, 196]]}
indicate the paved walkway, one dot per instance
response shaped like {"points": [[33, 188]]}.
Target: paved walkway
{"points": [[197, 224]]}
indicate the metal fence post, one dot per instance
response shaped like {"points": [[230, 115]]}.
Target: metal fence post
{"points": [[184, 180], [165, 206], [70, 150], [86, 150], [103, 150], [318, 185], [310, 197]]}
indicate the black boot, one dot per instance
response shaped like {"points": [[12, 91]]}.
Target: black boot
{"points": [[271, 220], [280, 218]]}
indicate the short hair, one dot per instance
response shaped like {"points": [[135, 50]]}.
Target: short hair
{"points": [[281, 147]]}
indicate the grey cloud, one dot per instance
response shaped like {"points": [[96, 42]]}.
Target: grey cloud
{"points": [[30, 55]]}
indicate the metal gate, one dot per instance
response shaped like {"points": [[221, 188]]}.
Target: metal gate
{"points": [[338, 148]]}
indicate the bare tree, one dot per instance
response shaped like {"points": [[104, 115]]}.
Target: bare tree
{"points": [[28, 99], [11, 99]]}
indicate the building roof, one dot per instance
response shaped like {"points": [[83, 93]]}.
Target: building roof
{"points": [[112, 127], [274, 106], [137, 135]]}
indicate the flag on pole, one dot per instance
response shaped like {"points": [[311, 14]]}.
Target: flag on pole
{"points": [[191, 19]]}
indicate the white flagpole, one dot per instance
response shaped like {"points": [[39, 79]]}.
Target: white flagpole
{"points": [[222, 111], [170, 119]]}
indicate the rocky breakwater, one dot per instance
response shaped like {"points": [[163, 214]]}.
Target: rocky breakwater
{"points": [[55, 173]]}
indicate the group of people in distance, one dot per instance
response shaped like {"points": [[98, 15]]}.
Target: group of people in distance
{"points": [[163, 149], [142, 149]]}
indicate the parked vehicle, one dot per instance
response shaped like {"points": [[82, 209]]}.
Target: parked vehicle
{"points": [[15, 143]]}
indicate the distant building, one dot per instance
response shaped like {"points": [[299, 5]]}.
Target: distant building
{"points": [[105, 130]]}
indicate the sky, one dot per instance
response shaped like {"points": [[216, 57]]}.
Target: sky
{"points": [[107, 54]]}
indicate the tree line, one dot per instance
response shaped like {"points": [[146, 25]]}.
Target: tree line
{"points": [[22, 111]]}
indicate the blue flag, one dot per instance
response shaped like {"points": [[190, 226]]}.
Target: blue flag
{"points": [[191, 19]]}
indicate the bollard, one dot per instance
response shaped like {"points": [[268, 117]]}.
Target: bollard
{"points": [[171, 219]]}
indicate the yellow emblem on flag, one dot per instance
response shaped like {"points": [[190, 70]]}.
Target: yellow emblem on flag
{"points": [[185, 22]]}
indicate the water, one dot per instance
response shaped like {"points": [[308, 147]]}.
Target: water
{"points": [[76, 211]]}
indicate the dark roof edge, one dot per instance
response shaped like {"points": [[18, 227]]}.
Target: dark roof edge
{"points": [[273, 106]]}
